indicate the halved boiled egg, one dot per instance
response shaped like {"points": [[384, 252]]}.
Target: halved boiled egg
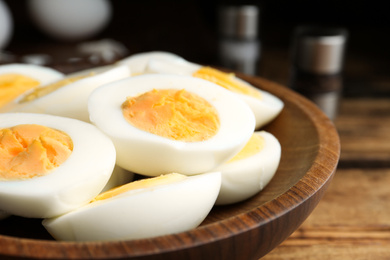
{"points": [[264, 105], [68, 97], [169, 123], [50, 165], [139, 61], [118, 177], [146, 208], [16, 79], [250, 170]]}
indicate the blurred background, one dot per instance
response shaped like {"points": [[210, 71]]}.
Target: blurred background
{"points": [[190, 29]]}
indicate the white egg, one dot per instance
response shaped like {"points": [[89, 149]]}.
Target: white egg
{"points": [[150, 154], [6, 25], [73, 183], [16, 79], [245, 176], [264, 105], [70, 20], [139, 61], [71, 99], [175, 206]]}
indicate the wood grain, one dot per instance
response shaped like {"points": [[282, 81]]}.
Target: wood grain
{"points": [[364, 127], [351, 221], [247, 230]]}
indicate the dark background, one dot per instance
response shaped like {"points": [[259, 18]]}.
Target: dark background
{"points": [[188, 28]]}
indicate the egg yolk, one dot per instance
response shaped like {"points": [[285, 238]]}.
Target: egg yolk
{"points": [[226, 80], [174, 114], [141, 184], [254, 145], [47, 89], [30, 150], [12, 85]]}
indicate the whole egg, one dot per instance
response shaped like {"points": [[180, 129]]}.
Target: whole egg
{"points": [[70, 20]]}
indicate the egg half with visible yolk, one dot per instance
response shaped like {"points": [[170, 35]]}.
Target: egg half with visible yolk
{"points": [[169, 123], [50, 165], [68, 97], [250, 170], [264, 105], [16, 79], [118, 177], [162, 205], [138, 62]]}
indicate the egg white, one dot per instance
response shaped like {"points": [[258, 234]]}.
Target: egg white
{"points": [[148, 154], [43, 75], [181, 67], [142, 213], [265, 109], [138, 62], [71, 100], [242, 179], [75, 182], [118, 177]]}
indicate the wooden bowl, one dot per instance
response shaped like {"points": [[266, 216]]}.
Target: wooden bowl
{"points": [[246, 230]]}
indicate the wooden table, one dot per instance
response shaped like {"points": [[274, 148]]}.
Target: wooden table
{"points": [[352, 221]]}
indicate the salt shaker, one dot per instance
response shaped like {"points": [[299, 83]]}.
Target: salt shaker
{"points": [[239, 45], [317, 64]]}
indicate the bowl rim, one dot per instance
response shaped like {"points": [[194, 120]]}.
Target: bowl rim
{"points": [[329, 150]]}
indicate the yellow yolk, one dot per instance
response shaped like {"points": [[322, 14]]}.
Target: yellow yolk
{"points": [[28, 151], [141, 184], [253, 146], [42, 91], [174, 114], [226, 80], [12, 85]]}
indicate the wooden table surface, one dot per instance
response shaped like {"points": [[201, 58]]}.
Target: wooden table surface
{"points": [[352, 221]]}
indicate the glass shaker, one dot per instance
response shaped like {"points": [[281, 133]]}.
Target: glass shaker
{"points": [[317, 63], [239, 46]]}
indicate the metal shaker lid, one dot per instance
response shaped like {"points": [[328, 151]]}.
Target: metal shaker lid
{"points": [[238, 21], [319, 50]]}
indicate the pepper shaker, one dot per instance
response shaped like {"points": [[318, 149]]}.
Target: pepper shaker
{"points": [[317, 63], [239, 46]]}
